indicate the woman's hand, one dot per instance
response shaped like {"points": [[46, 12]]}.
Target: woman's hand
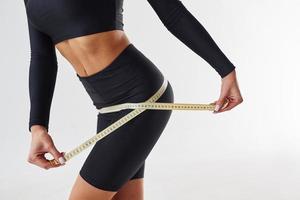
{"points": [[230, 94], [41, 144]]}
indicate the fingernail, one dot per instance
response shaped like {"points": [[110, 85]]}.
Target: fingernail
{"points": [[217, 108], [61, 160]]}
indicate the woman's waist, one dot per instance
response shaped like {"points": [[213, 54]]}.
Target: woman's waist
{"points": [[131, 77], [92, 53]]}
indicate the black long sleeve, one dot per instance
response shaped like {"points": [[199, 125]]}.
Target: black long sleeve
{"points": [[182, 24], [42, 76]]}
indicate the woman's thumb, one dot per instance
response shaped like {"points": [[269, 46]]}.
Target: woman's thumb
{"points": [[57, 155], [219, 103]]}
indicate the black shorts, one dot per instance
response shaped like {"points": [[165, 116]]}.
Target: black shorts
{"points": [[120, 156]]}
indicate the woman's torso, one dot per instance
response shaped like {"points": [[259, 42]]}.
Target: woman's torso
{"points": [[89, 34]]}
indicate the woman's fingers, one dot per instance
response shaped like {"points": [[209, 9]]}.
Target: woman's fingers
{"points": [[40, 160], [227, 103], [219, 103], [57, 155], [231, 103]]}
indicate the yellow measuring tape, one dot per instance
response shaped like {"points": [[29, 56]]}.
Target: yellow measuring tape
{"points": [[138, 109]]}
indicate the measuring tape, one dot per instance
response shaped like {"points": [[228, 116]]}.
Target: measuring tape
{"points": [[138, 109]]}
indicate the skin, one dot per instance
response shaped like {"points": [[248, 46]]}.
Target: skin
{"points": [[87, 55]]}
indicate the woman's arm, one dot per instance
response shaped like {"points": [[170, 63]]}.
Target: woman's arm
{"points": [[42, 76], [182, 24]]}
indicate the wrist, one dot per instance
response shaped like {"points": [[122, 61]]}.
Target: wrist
{"points": [[230, 76], [37, 129]]}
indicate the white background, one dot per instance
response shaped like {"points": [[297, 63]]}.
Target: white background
{"points": [[249, 153]]}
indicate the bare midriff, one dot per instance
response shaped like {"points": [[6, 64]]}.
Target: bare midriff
{"points": [[90, 54]]}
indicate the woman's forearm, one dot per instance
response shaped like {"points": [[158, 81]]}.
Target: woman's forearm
{"points": [[182, 24]]}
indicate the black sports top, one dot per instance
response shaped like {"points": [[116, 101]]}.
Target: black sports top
{"points": [[52, 21]]}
